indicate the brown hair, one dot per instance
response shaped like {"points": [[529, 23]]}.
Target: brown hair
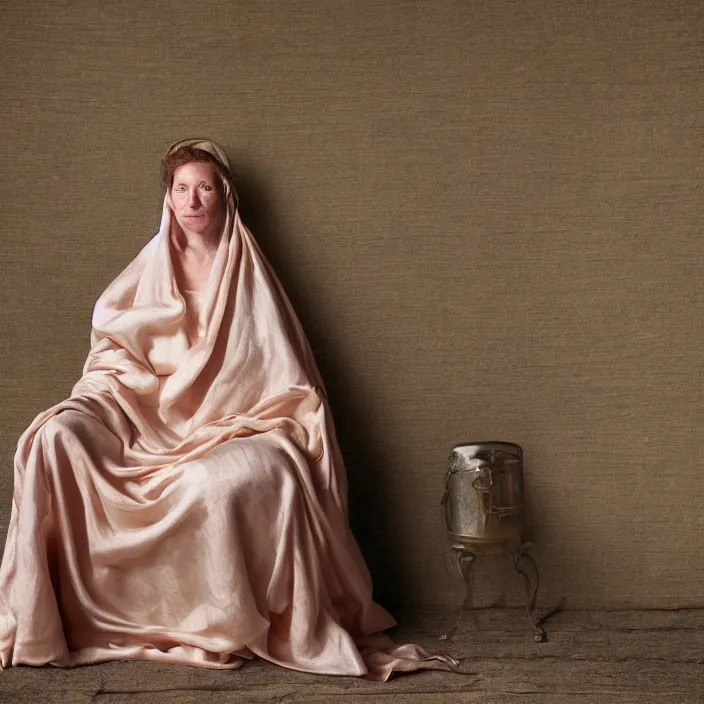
{"points": [[185, 155]]}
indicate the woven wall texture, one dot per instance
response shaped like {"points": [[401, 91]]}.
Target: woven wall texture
{"points": [[486, 213]]}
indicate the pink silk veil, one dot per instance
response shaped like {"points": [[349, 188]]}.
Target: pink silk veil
{"points": [[99, 479]]}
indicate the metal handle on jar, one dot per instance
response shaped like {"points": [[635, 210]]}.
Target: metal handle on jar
{"points": [[444, 501], [484, 486]]}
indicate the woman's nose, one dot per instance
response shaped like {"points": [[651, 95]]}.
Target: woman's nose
{"points": [[193, 199]]}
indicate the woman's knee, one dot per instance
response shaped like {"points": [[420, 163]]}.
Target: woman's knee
{"points": [[248, 467], [69, 420]]}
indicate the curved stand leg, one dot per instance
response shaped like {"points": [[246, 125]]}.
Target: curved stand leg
{"points": [[464, 562], [525, 565]]}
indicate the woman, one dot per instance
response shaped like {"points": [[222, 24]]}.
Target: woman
{"points": [[187, 503]]}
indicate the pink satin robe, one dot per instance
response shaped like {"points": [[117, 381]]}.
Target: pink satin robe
{"points": [[187, 503]]}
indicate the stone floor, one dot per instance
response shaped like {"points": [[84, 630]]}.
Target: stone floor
{"points": [[634, 657]]}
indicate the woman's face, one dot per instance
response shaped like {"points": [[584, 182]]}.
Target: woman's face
{"points": [[197, 198]]}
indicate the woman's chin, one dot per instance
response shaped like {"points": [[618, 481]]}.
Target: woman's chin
{"points": [[202, 227]]}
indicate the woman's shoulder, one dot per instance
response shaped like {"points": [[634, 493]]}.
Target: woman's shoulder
{"points": [[120, 292]]}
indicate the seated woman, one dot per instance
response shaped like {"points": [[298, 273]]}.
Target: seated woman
{"points": [[187, 503]]}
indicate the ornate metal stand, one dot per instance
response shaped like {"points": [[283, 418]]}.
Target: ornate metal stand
{"points": [[465, 555]]}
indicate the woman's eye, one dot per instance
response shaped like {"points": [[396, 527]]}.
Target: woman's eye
{"points": [[205, 187]]}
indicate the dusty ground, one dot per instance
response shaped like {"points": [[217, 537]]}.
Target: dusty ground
{"points": [[634, 657]]}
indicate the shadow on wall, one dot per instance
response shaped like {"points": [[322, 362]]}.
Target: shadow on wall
{"points": [[370, 493]]}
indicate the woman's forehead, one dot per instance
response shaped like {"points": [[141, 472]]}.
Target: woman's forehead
{"points": [[195, 170]]}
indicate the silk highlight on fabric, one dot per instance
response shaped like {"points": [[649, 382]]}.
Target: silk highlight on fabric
{"points": [[187, 503]]}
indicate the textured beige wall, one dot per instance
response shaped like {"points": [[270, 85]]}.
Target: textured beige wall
{"points": [[487, 214]]}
